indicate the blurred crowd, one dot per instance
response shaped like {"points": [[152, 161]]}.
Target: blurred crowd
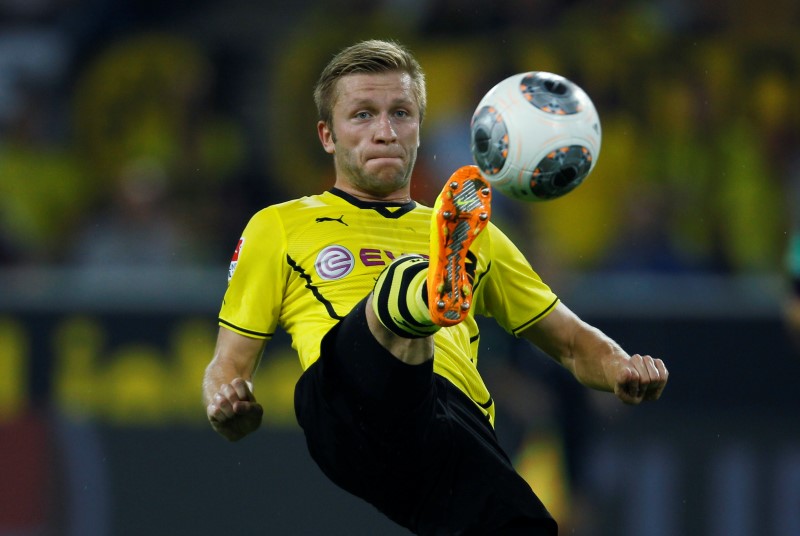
{"points": [[142, 133]]}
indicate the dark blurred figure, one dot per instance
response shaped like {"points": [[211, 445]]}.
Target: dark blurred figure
{"points": [[645, 243], [791, 308], [137, 227], [792, 305]]}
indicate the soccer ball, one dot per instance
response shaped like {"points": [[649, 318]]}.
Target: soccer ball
{"points": [[535, 136]]}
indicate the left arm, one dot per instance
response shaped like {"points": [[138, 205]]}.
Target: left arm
{"points": [[595, 360]]}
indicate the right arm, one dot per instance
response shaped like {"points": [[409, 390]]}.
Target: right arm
{"points": [[231, 407], [595, 360]]}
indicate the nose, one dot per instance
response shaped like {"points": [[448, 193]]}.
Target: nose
{"points": [[384, 131]]}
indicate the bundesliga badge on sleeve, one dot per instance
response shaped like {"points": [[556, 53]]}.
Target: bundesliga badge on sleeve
{"points": [[235, 258]]}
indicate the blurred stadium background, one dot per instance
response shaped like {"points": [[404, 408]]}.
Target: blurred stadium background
{"points": [[137, 137]]}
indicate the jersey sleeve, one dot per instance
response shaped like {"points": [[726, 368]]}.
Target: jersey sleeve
{"points": [[512, 292], [256, 278]]}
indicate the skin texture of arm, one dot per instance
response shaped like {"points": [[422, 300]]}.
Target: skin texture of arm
{"points": [[595, 360], [231, 406]]}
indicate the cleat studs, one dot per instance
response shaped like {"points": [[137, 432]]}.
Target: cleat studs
{"points": [[485, 191], [465, 306], [447, 215], [483, 216], [440, 304], [454, 185]]}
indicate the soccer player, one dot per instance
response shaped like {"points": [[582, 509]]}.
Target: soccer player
{"points": [[379, 295]]}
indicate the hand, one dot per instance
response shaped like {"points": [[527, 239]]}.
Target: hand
{"points": [[233, 411], [640, 378]]}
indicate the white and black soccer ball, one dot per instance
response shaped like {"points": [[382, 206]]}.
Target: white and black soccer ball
{"points": [[535, 136]]}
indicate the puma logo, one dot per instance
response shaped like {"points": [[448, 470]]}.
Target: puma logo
{"points": [[340, 219]]}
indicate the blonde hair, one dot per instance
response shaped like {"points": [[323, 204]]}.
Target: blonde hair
{"points": [[372, 56]]}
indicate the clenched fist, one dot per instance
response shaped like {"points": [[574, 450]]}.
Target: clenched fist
{"points": [[233, 411], [640, 378]]}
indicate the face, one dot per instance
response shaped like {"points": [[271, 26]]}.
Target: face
{"points": [[374, 135]]}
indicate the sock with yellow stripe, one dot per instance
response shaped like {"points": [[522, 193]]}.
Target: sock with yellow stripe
{"points": [[400, 298]]}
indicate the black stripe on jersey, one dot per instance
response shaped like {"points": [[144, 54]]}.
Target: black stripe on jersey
{"points": [[248, 331], [535, 318], [382, 208], [472, 340], [474, 265], [487, 404], [314, 290]]}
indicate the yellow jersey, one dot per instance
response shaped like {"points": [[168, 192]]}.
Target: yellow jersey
{"points": [[304, 264]]}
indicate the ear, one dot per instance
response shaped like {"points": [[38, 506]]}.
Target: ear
{"points": [[326, 137]]}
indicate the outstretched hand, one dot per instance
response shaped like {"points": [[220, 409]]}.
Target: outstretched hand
{"points": [[640, 378], [233, 411]]}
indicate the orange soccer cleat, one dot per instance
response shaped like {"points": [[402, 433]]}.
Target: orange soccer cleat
{"points": [[460, 213]]}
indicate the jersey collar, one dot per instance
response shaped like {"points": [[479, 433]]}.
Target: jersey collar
{"points": [[390, 209]]}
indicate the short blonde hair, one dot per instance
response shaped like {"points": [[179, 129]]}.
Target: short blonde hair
{"points": [[372, 56]]}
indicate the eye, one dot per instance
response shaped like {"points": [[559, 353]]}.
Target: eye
{"points": [[402, 113], [363, 115]]}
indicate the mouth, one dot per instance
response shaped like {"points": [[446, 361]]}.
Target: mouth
{"points": [[378, 156], [385, 160]]}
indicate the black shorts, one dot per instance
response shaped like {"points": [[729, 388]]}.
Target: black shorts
{"points": [[409, 442]]}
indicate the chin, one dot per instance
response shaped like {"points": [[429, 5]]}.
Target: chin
{"points": [[387, 182]]}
